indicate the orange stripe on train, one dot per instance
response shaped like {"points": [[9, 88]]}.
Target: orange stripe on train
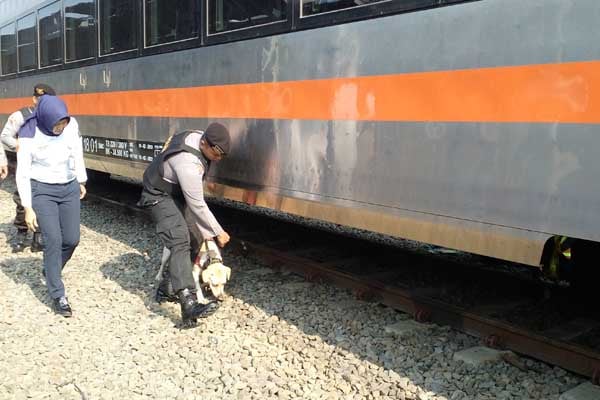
{"points": [[566, 93]]}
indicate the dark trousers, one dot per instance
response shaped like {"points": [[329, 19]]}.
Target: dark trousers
{"points": [[57, 208], [173, 232], [19, 221]]}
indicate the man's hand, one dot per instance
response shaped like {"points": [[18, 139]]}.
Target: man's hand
{"points": [[3, 171], [82, 191], [211, 187], [31, 219], [223, 239]]}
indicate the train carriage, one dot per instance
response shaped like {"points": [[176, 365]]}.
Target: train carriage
{"points": [[466, 124]]}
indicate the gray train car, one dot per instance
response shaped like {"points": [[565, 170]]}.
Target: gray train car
{"points": [[471, 125]]}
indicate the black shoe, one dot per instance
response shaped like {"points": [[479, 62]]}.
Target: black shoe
{"points": [[20, 242], [36, 242], [61, 307], [191, 310], [165, 292]]}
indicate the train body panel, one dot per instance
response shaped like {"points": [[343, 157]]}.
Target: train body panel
{"points": [[441, 157]]}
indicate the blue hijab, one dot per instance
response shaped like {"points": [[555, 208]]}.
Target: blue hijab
{"points": [[49, 110]]}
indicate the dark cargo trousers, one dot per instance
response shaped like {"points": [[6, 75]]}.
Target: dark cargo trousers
{"points": [[57, 207], [19, 221], [172, 230]]}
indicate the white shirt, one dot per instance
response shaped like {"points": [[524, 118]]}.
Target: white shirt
{"points": [[3, 160], [49, 159], [9, 134], [11, 129]]}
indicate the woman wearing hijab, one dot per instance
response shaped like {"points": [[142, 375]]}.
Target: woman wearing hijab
{"points": [[51, 181]]}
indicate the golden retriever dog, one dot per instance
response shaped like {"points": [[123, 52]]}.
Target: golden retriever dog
{"points": [[209, 266], [208, 270]]}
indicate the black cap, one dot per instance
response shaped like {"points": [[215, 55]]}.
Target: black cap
{"points": [[41, 89], [217, 136]]}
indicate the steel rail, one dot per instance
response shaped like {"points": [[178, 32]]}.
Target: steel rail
{"points": [[498, 334]]}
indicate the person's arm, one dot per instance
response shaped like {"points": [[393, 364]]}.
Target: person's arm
{"points": [[80, 171], [189, 171], [23, 179], [23, 174], [8, 137], [3, 164]]}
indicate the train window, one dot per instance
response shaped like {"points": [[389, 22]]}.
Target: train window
{"points": [[79, 29], [229, 15], [8, 49], [26, 43], [49, 20], [167, 21], [118, 32], [312, 7]]}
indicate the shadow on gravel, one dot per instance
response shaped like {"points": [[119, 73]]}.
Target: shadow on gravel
{"points": [[315, 310], [8, 230], [113, 222], [135, 274], [133, 271], [27, 271]]}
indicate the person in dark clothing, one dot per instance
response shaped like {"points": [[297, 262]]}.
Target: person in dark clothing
{"points": [[9, 138], [175, 178]]}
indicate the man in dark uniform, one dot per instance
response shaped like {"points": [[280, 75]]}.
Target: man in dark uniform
{"points": [[9, 138], [174, 177]]}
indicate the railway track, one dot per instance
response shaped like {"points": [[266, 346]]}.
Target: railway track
{"points": [[506, 306]]}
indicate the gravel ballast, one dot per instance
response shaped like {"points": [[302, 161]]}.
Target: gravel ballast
{"points": [[274, 337]]}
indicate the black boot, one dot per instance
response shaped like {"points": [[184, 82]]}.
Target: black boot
{"points": [[165, 292], [61, 307], [192, 310], [36, 242], [20, 241]]}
